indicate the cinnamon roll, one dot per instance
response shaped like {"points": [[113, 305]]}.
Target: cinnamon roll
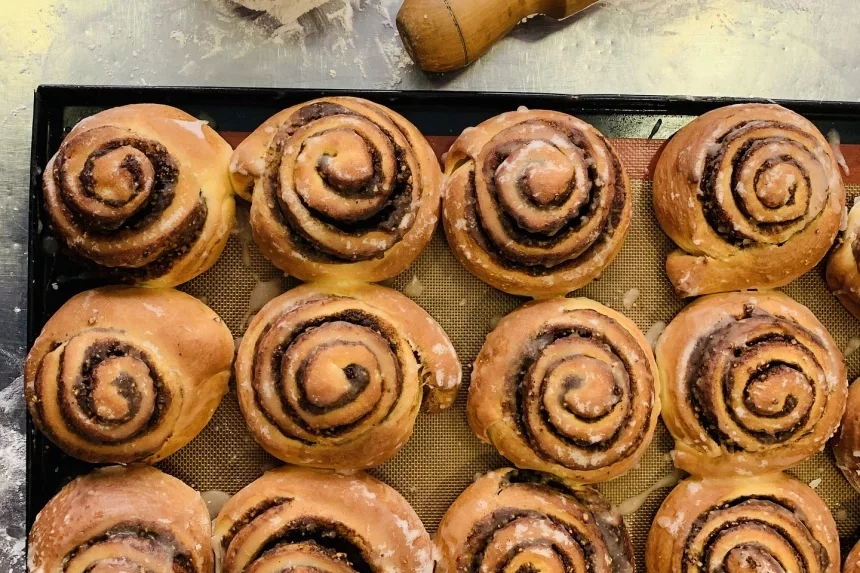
{"points": [[752, 384], [752, 196], [843, 266], [519, 520], [300, 519], [566, 386], [116, 519], [852, 562], [333, 377], [770, 523], [342, 187], [846, 447], [537, 202], [124, 374], [142, 192]]}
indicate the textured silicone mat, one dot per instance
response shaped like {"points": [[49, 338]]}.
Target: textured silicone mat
{"points": [[443, 456]]}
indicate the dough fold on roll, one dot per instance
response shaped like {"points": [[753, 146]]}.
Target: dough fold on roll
{"points": [[752, 196]]}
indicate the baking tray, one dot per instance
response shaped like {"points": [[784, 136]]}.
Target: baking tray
{"points": [[443, 457]]}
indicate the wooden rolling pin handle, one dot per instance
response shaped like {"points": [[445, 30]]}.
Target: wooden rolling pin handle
{"points": [[445, 35]]}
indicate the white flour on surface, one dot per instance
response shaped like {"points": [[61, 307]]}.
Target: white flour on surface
{"points": [[284, 11], [12, 472]]}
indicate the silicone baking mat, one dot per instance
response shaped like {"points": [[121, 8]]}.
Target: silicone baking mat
{"points": [[443, 457]]}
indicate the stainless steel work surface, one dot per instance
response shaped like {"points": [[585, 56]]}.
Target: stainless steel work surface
{"points": [[794, 49]]}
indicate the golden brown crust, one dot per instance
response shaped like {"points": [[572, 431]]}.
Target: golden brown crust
{"points": [[751, 194], [752, 384], [846, 447], [843, 266], [537, 203], [768, 523], [333, 375], [131, 518], [566, 386], [519, 520], [125, 374], [322, 520], [342, 188], [142, 191]]}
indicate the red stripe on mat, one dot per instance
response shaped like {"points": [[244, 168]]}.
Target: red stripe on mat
{"points": [[638, 155]]}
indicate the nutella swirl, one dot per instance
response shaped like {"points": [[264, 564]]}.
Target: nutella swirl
{"points": [[510, 521], [756, 383], [334, 378], [537, 202], [567, 386], [771, 523]]}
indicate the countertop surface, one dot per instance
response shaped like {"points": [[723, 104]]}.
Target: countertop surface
{"points": [[793, 49]]}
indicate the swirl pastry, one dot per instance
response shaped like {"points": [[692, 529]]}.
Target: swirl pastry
{"points": [[752, 383], [521, 521], [843, 267], [342, 188], [142, 191], [333, 376], [846, 447], [120, 519], [537, 202], [752, 196], [300, 519], [127, 374], [771, 523], [852, 562], [566, 386]]}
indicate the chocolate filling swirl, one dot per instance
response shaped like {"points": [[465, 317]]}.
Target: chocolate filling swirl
{"points": [[331, 376], [122, 201], [582, 394], [101, 396], [541, 197], [763, 182], [758, 380], [755, 533], [342, 186]]}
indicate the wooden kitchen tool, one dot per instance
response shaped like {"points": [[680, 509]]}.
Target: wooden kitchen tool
{"points": [[445, 35]]}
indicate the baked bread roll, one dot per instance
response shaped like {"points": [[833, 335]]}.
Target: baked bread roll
{"points": [[843, 267], [537, 202], [333, 376], [852, 562], [142, 192], [117, 519], [566, 386], [518, 520], [305, 520], [846, 446], [771, 523], [342, 188], [124, 374], [752, 384], [752, 196]]}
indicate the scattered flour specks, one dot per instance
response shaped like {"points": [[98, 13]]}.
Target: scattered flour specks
{"points": [[12, 474]]}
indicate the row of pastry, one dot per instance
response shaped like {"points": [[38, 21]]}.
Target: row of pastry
{"points": [[333, 377], [136, 518], [535, 203]]}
